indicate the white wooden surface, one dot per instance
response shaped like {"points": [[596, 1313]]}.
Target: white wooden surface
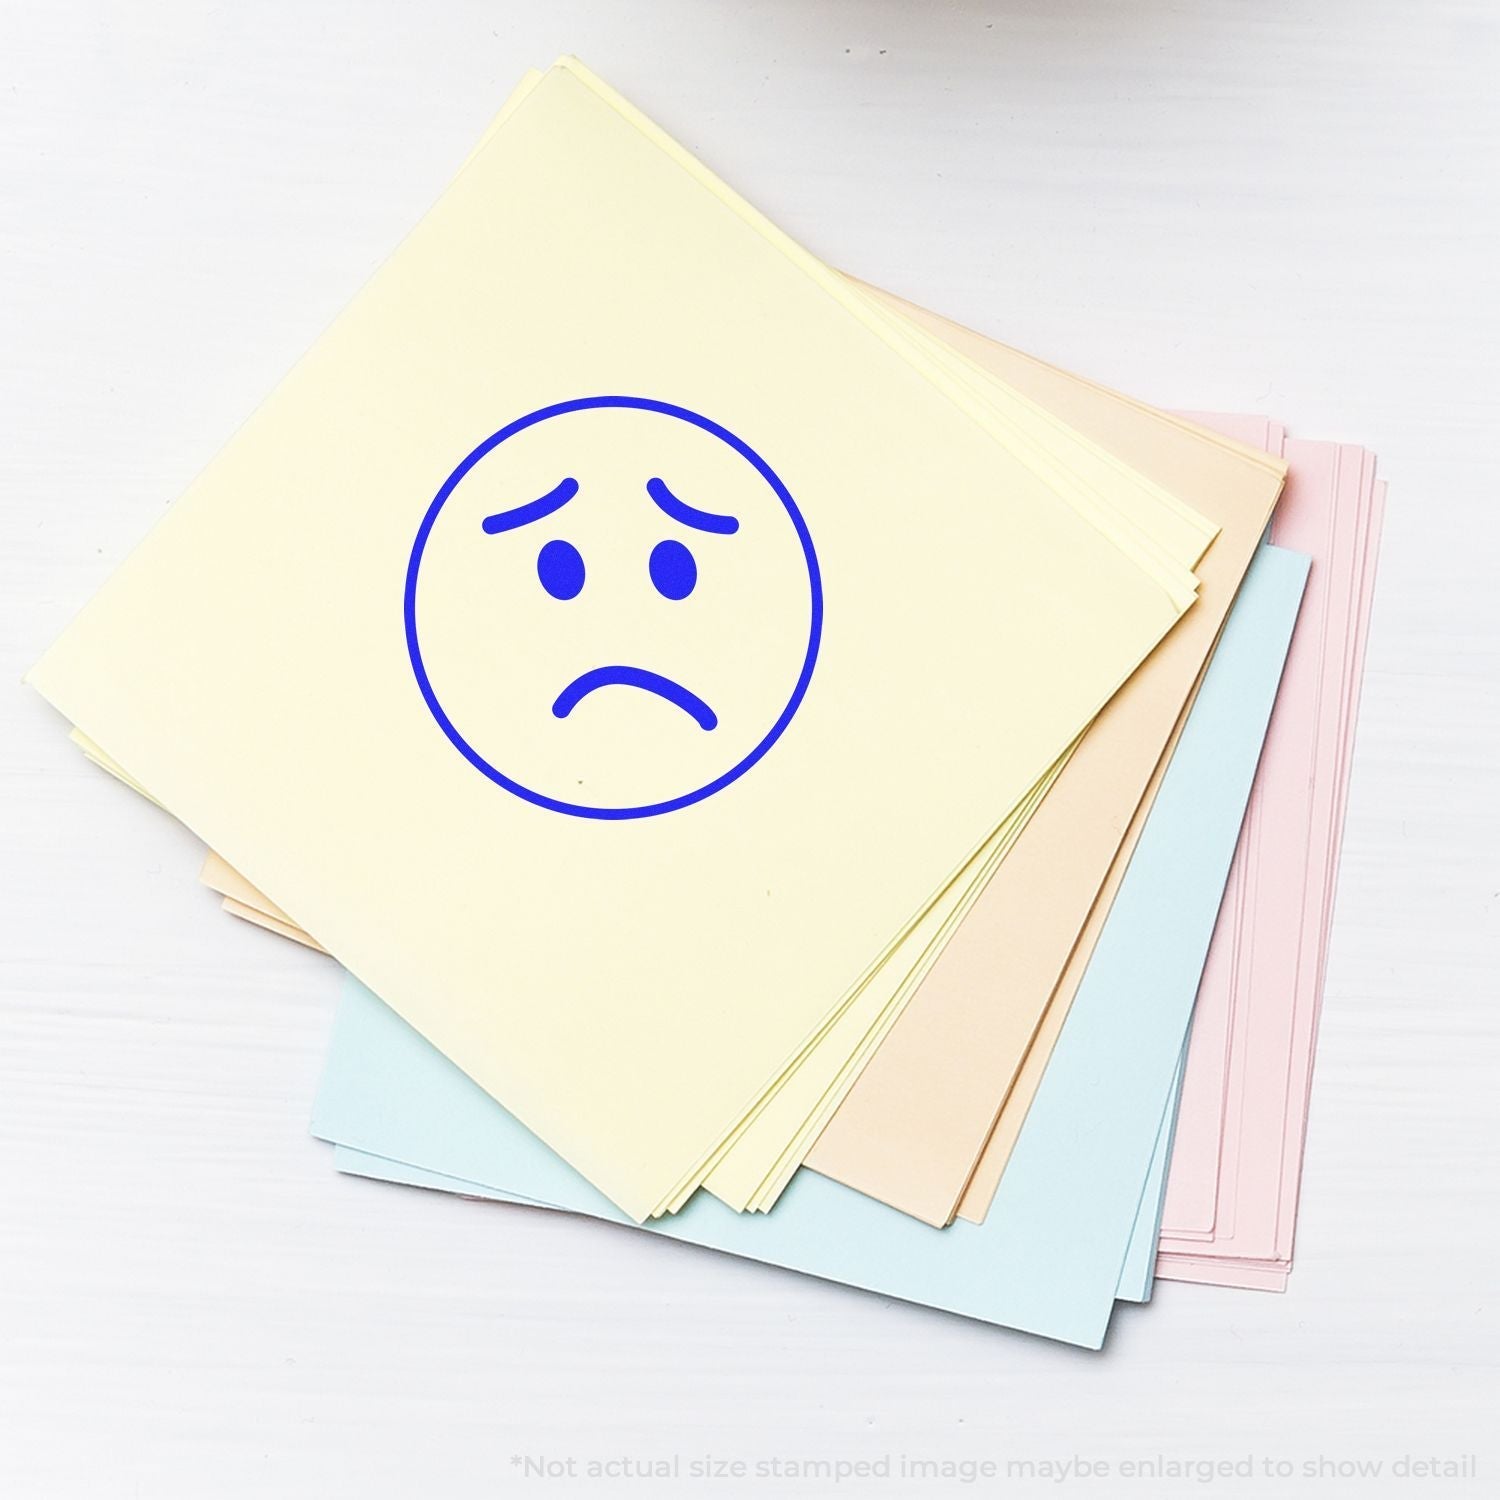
{"points": [[1276, 206]]}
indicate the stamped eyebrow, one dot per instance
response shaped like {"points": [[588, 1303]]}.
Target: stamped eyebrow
{"points": [[689, 515], [535, 510]]}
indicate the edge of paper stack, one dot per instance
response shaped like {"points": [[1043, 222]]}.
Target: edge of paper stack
{"points": [[1012, 1038]]}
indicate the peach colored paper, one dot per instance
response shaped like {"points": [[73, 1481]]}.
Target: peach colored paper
{"points": [[914, 1124], [1011, 1115]]}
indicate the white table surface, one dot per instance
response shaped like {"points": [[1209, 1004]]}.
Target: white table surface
{"points": [[1282, 207]]}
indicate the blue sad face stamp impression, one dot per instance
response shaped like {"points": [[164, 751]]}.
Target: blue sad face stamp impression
{"points": [[613, 608]]}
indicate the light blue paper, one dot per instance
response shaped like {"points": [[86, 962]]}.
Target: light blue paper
{"points": [[1136, 1284], [1138, 1277], [1050, 1255]]}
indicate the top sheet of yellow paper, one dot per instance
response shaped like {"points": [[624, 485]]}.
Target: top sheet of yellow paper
{"points": [[609, 740]]}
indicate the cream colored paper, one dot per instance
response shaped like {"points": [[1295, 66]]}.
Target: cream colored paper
{"points": [[629, 988]]}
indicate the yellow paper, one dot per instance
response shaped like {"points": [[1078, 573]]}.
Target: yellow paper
{"points": [[630, 987], [747, 1174], [259, 918], [1153, 525]]}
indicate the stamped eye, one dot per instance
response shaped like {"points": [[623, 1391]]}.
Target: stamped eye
{"points": [[559, 565], [673, 570]]}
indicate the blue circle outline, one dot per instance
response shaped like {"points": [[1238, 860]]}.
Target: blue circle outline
{"points": [[814, 636]]}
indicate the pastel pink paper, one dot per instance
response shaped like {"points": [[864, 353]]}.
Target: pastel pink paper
{"points": [[1253, 1276], [1315, 961], [1280, 857], [1194, 1178], [1235, 1172], [1266, 967]]}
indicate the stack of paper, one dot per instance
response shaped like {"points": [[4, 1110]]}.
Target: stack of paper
{"points": [[1232, 1188], [737, 721]]}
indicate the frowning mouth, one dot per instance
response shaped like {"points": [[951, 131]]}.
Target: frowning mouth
{"points": [[636, 677]]}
